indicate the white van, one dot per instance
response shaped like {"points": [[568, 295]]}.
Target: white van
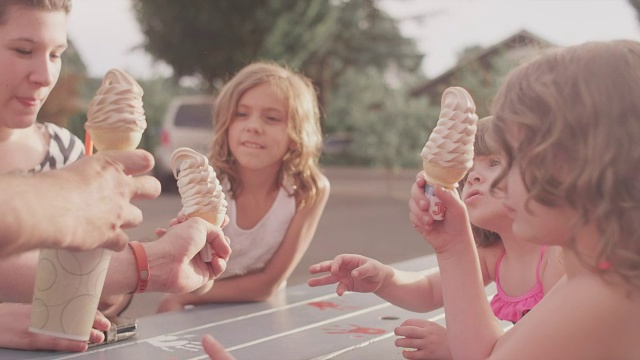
{"points": [[188, 122]]}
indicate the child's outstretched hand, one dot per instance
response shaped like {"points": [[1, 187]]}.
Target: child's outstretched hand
{"points": [[352, 273], [442, 233], [428, 338]]}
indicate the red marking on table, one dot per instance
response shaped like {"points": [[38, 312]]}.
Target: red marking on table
{"points": [[324, 305], [355, 329]]}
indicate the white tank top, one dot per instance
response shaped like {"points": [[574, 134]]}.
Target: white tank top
{"points": [[252, 248]]}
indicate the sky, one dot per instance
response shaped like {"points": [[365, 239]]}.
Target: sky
{"points": [[107, 34]]}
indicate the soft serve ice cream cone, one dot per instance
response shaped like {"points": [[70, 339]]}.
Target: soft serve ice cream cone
{"points": [[200, 190], [448, 154], [115, 119]]}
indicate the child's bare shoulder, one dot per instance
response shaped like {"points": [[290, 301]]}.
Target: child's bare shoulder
{"points": [[324, 185], [600, 320], [605, 302]]}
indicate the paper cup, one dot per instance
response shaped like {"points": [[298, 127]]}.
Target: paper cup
{"points": [[67, 292]]}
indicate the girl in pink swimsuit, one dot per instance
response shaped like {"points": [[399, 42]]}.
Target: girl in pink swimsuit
{"points": [[513, 308], [524, 272]]}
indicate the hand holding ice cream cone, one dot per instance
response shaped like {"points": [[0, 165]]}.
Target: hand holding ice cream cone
{"points": [[448, 154], [200, 190]]}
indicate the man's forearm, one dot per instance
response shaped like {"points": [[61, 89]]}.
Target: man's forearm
{"points": [[23, 205]]}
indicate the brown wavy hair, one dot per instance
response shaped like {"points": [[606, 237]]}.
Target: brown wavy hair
{"points": [[47, 5], [577, 110], [300, 167]]}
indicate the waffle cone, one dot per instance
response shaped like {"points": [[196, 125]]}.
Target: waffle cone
{"points": [[213, 217], [115, 139], [444, 176]]}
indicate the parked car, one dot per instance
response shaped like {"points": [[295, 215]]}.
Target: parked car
{"points": [[188, 122]]}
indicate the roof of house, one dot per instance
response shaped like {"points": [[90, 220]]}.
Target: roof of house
{"points": [[520, 39]]}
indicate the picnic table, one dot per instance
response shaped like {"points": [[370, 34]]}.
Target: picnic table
{"points": [[298, 323]]}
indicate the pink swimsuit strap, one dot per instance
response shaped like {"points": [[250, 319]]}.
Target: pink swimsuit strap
{"points": [[512, 308]]}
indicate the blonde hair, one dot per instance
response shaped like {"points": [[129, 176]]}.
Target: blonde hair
{"points": [[47, 5], [300, 164], [575, 113]]}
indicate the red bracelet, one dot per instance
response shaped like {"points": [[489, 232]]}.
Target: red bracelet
{"points": [[142, 264]]}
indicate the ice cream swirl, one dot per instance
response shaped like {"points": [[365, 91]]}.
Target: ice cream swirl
{"points": [[450, 144], [117, 104], [200, 189]]}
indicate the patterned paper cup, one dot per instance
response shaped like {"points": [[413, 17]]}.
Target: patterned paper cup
{"points": [[67, 292]]}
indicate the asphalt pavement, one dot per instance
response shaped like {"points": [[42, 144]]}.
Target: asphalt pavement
{"points": [[367, 213]]}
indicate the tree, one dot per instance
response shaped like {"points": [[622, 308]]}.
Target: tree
{"points": [[214, 39], [363, 37], [387, 127]]}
